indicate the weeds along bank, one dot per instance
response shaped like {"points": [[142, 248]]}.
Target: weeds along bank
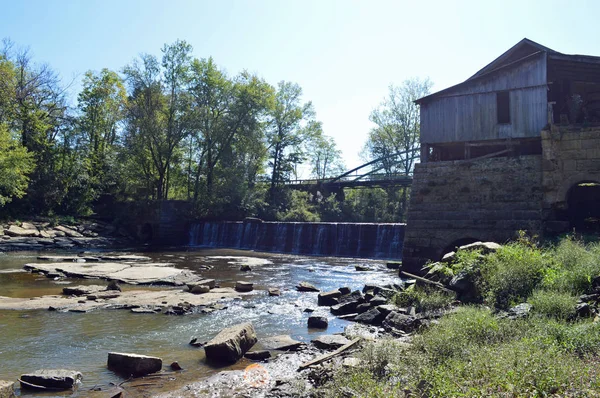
{"points": [[525, 324]]}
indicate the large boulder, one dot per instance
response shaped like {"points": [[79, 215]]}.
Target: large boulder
{"points": [[57, 379], [345, 308], [231, 344], [328, 298], [7, 389], [133, 364], [71, 233]]}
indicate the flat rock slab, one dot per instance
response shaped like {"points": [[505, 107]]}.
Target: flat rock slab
{"points": [[82, 290], [13, 230], [231, 344], [56, 379], [122, 272], [330, 341], [60, 258], [125, 257], [126, 300], [133, 364], [281, 343]]}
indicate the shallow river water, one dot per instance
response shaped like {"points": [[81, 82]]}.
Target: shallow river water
{"points": [[31, 340]]}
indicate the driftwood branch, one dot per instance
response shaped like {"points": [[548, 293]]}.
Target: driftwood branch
{"points": [[424, 280], [327, 357]]}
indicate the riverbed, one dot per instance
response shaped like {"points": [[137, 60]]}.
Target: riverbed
{"points": [[36, 339]]}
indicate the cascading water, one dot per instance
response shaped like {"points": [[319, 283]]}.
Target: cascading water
{"points": [[322, 239]]}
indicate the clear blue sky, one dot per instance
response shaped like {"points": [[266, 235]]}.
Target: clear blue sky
{"points": [[343, 53]]}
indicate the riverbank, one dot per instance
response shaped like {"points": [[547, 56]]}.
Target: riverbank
{"points": [[55, 235]]}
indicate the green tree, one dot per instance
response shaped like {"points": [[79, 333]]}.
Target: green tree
{"points": [[15, 165], [158, 114], [286, 133], [397, 125], [102, 109], [325, 158]]}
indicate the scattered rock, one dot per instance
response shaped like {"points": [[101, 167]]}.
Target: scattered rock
{"points": [[344, 308], [175, 366], [113, 285], [396, 321], [318, 322], [258, 355], [394, 264], [7, 389], [281, 343], [387, 308], [133, 364], [362, 268], [330, 341], [144, 310], [329, 298], [242, 286], [448, 257], [377, 300], [195, 343], [274, 292], [351, 362], [200, 289], [519, 311], [245, 268], [231, 344], [485, 247], [371, 317], [71, 233], [306, 287], [309, 310], [59, 379], [344, 290], [583, 310]]}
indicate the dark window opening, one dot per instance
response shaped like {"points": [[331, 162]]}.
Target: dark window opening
{"points": [[503, 107]]}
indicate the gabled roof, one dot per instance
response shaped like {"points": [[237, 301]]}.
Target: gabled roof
{"points": [[523, 50]]}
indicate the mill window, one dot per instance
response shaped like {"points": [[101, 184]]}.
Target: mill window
{"points": [[503, 107]]}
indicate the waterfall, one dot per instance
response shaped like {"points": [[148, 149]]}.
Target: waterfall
{"points": [[368, 240]]}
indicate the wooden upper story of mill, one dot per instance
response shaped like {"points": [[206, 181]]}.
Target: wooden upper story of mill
{"points": [[503, 108]]}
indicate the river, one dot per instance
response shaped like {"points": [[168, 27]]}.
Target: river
{"points": [[31, 340]]}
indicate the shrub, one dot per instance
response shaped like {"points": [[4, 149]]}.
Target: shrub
{"points": [[553, 304], [424, 299], [510, 274], [575, 265], [459, 333]]}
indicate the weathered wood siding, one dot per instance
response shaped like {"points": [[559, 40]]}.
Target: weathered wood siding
{"points": [[469, 112]]}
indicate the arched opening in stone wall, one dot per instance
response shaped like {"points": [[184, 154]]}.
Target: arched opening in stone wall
{"points": [[452, 247], [583, 204]]}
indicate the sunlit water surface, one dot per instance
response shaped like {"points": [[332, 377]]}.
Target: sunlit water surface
{"points": [[31, 340]]}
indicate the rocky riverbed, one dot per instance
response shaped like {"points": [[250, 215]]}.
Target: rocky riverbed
{"points": [[62, 300]]}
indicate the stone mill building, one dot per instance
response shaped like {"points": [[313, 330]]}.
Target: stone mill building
{"points": [[514, 147]]}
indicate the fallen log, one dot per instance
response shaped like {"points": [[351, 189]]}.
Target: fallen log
{"points": [[326, 357], [424, 280]]}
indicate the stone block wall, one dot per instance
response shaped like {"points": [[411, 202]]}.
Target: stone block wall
{"points": [[571, 155], [488, 200]]}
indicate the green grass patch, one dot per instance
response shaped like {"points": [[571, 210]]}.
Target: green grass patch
{"points": [[423, 298]]}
